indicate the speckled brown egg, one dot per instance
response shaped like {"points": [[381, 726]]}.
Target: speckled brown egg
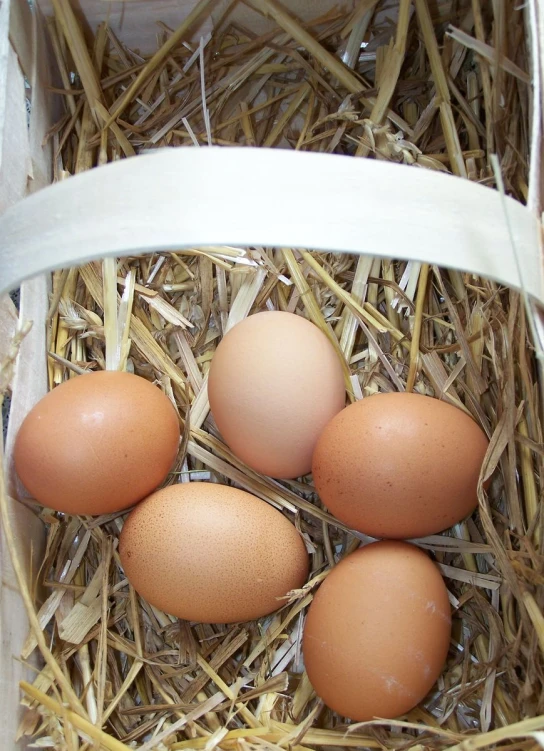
{"points": [[399, 465], [211, 553], [377, 633], [275, 381], [97, 443]]}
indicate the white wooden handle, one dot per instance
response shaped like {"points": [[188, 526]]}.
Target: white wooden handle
{"points": [[187, 197]]}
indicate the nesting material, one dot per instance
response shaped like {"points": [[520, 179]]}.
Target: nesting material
{"points": [[438, 86]]}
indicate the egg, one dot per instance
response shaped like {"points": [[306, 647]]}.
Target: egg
{"points": [[274, 383], [211, 553], [377, 632], [97, 443], [399, 465]]}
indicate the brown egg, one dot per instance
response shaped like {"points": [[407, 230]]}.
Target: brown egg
{"points": [[275, 381], [97, 443], [211, 553], [377, 632], [399, 465]]}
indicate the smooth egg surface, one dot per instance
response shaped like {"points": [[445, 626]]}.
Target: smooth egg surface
{"points": [[399, 465], [377, 632], [97, 443], [274, 383]]}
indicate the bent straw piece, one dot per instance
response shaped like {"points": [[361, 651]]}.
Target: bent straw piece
{"points": [[315, 265], [220, 683], [391, 73], [112, 744]]}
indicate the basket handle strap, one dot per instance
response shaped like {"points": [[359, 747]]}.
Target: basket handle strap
{"points": [[191, 197]]}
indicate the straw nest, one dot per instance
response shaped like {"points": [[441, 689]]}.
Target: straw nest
{"points": [[444, 87]]}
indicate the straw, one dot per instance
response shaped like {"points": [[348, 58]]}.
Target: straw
{"points": [[74, 719], [434, 86], [159, 57]]}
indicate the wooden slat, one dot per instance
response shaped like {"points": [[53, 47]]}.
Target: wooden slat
{"points": [[21, 154], [21, 33], [14, 143], [372, 207]]}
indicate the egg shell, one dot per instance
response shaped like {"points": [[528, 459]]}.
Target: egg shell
{"points": [[399, 465], [211, 553], [274, 383], [97, 443], [377, 632]]}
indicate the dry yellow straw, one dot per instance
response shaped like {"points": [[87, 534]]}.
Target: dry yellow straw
{"points": [[414, 348], [112, 744], [158, 58], [76, 42], [329, 61]]}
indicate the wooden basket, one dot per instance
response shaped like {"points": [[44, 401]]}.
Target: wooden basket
{"points": [[140, 205]]}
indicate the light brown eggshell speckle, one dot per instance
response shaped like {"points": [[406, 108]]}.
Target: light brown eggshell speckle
{"points": [[97, 443], [275, 381], [211, 553], [377, 632], [399, 465]]}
